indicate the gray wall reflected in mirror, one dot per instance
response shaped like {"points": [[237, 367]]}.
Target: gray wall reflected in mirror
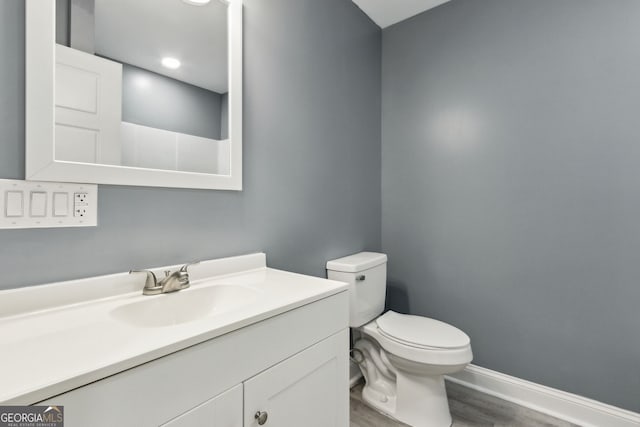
{"points": [[191, 110], [181, 102]]}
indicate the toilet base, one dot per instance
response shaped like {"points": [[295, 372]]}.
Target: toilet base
{"points": [[407, 382], [421, 401]]}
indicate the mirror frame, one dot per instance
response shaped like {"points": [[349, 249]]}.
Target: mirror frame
{"points": [[41, 164]]}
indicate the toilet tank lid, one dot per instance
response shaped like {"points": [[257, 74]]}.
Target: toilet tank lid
{"points": [[357, 262]]}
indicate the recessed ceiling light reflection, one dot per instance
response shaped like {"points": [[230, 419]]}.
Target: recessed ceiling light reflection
{"points": [[171, 63], [196, 2]]}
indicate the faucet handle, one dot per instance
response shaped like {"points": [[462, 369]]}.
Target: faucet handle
{"points": [[151, 281], [184, 267]]}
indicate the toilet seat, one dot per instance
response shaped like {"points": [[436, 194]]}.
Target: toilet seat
{"points": [[407, 337], [421, 332]]}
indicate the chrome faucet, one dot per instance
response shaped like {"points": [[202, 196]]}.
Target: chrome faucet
{"points": [[171, 282]]}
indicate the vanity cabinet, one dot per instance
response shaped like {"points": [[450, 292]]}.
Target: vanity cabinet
{"points": [[224, 410], [302, 390], [305, 390], [293, 366]]}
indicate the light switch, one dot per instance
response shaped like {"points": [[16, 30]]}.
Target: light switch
{"points": [[38, 204], [14, 203], [60, 204]]}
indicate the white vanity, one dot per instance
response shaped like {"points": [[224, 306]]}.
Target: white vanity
{"points": [[245, 345]]}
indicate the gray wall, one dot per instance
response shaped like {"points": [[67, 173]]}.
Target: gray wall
{"points": [[82, 16], [63, 17], [165, 103], [311, 160], [510, 185], [224, 116]]}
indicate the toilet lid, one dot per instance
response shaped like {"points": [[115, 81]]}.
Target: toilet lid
{"points": [[421, 331]]}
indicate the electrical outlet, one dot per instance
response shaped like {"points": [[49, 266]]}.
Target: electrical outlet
{"points": [[80, 212], [80, 204], [81, 199]]}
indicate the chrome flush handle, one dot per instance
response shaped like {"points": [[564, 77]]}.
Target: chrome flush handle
{"points": [[361, 278]]}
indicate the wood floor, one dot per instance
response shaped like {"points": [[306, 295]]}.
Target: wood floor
{"points": [[469, 408]]}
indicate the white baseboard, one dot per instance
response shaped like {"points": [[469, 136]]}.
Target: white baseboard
{"points": [[562, 405]]}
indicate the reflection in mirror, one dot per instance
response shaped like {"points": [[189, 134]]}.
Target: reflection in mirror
{"points": [[143, 83]]}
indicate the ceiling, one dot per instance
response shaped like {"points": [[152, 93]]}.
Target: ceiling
{"points": [[142, 32], [388, 12]]}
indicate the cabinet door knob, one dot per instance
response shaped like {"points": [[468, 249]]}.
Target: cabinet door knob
{"points": [[261, 416]]}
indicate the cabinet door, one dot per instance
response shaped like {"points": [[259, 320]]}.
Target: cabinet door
{"points": [[224, 410], [310, 389]]}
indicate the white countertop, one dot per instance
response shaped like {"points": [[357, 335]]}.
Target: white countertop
{"points": [[58, 337]]}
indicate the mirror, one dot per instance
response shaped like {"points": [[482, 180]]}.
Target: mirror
{"points": [[135, 92]]}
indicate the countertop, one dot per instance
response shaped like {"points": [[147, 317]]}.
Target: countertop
{"points": [[62, 336]]}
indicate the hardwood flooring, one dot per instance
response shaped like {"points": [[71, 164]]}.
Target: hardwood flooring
{"points": [[469, 408]]}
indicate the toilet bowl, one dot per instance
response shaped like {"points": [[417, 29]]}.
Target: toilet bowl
{"points": [[403, 358], [404, 366]]}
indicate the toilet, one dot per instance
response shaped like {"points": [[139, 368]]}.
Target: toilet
{"points": [[403, 358]]}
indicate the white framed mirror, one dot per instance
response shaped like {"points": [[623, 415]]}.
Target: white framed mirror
{"points": [[134, 92]]}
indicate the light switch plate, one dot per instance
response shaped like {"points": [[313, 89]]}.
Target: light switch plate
{"points": [[46, 204]]}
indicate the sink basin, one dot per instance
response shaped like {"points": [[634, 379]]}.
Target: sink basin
{"points": [[184, 306]]}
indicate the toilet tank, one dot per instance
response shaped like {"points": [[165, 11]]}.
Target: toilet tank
{"points": [[366, 274]]}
